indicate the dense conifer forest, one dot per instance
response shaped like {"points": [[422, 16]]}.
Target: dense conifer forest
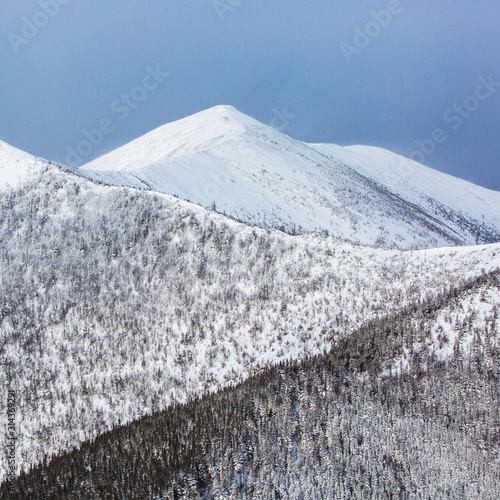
{"points": [[344, 424]]}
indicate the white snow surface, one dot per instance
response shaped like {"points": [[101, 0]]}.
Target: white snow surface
{"points": [[418, 183], [258, 175], [16, 166]]}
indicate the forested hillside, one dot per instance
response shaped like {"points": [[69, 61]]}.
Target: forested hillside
{"points": [[335, 425], [116, 303]]}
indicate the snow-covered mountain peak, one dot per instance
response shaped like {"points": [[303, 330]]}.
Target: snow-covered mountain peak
{"points": [[221, 157], [189, 136], [224, 112], [209, 123]]}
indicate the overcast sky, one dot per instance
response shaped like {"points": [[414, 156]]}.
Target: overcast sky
{"points": [[387, 73]]}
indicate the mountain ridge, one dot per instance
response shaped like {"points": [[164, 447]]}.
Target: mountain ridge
{"points": [[224, 159], [121, 302]]}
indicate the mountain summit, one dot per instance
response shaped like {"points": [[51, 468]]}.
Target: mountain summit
{"points": [[222, 158], [184, 138]]}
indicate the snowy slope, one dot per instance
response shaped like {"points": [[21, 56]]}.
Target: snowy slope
{"points": [[258, 175], [116, 302], [16, 166], [438, 193]]}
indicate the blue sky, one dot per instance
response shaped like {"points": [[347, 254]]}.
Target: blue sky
{"points": [[419, 77]]}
